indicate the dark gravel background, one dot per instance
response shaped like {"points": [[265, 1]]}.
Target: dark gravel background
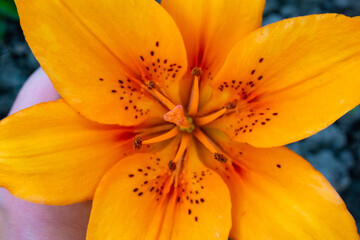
{"points": [[335, 151]]}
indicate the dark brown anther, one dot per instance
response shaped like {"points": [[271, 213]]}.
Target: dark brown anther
{"points": [[172, 166], [230, 105], [137, 143], [151, 85], [197, 72], [220, 157]]}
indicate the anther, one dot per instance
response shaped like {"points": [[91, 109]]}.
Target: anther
{"points": [[196, 72], [172, 166], [230, 105], [137, 143], [220, 157], [151, 85]]}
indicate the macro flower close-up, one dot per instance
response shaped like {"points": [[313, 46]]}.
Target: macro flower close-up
{"points": [[173, 118]]}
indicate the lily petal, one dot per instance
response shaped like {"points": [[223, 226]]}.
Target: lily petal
{"points": [[290, 79], [290, 199], [139, 199], [211, 28], [50, 154], [276, 194], [99, 55]]}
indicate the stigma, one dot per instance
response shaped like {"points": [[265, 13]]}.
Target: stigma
{"points": [[177, 116]]}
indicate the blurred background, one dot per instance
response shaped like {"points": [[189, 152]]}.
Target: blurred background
{"points": [[335, 152]]}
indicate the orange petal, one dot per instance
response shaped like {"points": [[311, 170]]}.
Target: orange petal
{"points": [[276, 194], [97, 54], [140, 199], [50, 154], [211, 28], [291, 79]]}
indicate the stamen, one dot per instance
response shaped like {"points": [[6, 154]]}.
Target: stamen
{"points": [[177, 116], [209, 145], [200, 121], [172, 166], [220, 157], [137, 143], [209, 118], [170, 134], [151, 85], [194, 101], [155, 92], [204, 140], [156, 129], [183, 145], [231, 105], [162, 98], [196, 72]]}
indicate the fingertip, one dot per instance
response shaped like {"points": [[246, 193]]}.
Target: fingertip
{"points": [[38, 88]]}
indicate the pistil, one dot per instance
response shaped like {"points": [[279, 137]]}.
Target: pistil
{"points": [[177, 116]]}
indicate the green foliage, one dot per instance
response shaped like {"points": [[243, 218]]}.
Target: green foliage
{"points": [[8, 10]]}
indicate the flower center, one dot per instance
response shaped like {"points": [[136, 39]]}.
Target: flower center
{"points": [[186, 126]]}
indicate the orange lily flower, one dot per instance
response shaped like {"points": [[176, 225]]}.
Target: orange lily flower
{"points": [[172, 118]]}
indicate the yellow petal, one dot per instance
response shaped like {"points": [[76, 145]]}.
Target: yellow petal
{"points": [[100, 55], [290, 79], [140, 199], [50, 154], [276, 194]]}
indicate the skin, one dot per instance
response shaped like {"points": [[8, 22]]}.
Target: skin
{"points": [[21, 220]]}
